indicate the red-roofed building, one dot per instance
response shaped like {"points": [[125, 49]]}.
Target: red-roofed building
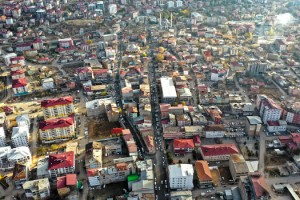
{"points": [[203, 174], [38, 44], [149, 143], [18, 74], [85, 73], [59, 129], [71, 180], [100, 74], [20, 86], [23, 47], [254, 186], [268, 109], [58, 107], [218, 151], [61, 164], [18, 60], [182, 146]]}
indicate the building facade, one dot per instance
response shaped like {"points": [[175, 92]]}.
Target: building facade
{"points": [[58, 107], [59, 129], [181, 176]]}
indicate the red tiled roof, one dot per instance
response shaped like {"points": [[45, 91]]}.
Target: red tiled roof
{"points": [[260, 186], [56, 123], [71, 179], [99, 71], [17, 72], [121, 166], [219, 149], [61, 160], [61, 182], [183, 144], [57, 101], [132, 147], [17, 58], [21, 82], [203, 171], [149, 141], [92, 172], [296, 137], [84, 69]]}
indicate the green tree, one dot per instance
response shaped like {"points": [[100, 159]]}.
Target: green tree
{"points": [[41, 150], [54, 147], [159, 57]]}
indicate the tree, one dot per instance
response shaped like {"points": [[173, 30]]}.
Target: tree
{"points": [[54, 147], [41, 150], [245, 143], [161, 49], [179, 161], [103, 93], [144, 54], [170, 160], [159, 57], [189, 161], [89, 41]]}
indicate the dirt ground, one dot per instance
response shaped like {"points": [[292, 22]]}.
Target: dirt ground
{"points": [[215, 176], [271, 159], [271, 92], [100, 129], [224, 172]]}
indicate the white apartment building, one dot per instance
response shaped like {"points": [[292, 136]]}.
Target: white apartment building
{"points": [[268, 109], [19, 155], [2, 137], [20, 136], [181, 176], [112, 9], [58, 107], [178, 4], [112, 174], [37, 189], [169, 94], [23, 120]]}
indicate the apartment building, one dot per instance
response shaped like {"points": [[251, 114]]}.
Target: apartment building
{"points": [[20, 136], [216, 152], [61, 164], [268, 109], [214, 131], [254, 186], [93, 155], [9, 157], [23, 120], [253, 125], [2, 137], [59, 129], [111, 174], [238, 166], [169, 94], [58, 107], [181, 176], [37, 189], [203, 174], [182, 146], [20, 175], [97, 107]]}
